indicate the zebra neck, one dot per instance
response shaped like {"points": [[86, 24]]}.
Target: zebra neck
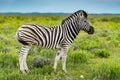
{"points": [[72, 29]]}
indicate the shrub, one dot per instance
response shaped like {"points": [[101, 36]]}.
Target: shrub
{"points": [[34, 50], [47, 53], [104, 32], [102, 53], [115, 19], [8, 60], [45, 70], [88, 42], [40, 61], [43, 52], [4, 50], [78, 56], [2, 21], [114, 39], [54, 18], [106, 71], [104, 19]]}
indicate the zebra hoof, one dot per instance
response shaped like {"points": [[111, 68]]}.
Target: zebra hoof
{"points": [[65, 71], [27, 71], [24, 71]]}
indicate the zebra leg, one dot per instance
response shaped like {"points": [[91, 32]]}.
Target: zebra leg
{"points": [[65, 50], [22, 58], [58, 55]]}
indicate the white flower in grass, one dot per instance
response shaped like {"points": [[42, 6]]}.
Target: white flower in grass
{"points": [[82, 76]]}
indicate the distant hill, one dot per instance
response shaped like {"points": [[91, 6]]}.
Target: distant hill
{"points": [[52, 13]]}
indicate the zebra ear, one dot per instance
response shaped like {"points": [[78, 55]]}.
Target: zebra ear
{"points": [[81, 15]]}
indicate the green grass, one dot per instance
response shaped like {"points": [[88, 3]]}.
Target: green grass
{"points": [[96, 57]]}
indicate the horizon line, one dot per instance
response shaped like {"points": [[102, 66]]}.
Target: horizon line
{"points": [[49, 13]]}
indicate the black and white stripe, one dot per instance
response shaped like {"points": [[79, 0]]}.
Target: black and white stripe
{"points": [[56, 37], [45, 37]]}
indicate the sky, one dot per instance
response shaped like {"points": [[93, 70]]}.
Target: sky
{"points": [[65, 6]]}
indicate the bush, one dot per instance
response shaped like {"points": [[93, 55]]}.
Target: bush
{"points": [[43, 52], [88, 42], [8, 60], [40, 61], [106, 71], [78, 56], [115, 19], [114, 39], [4, 50], [45, 70], [102, 53], [104, 19], [103, 33]]}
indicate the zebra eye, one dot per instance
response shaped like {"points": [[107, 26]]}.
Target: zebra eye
{"points": [[84, 21]]}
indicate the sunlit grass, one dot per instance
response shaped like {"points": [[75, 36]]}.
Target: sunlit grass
{"points": [[81, 59]]}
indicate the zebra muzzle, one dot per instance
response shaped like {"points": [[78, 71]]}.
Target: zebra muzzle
{"points": [[91, 30]]}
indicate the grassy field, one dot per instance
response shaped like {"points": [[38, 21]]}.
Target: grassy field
{"points": [[91, 57]]}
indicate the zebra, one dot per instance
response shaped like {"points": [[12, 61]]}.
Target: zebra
{"points": [[59, 37]]}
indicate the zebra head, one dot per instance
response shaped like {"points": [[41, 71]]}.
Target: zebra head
{"points": [[84, 23]]}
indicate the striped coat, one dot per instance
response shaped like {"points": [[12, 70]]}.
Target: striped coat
{"points": [[60, 37]]}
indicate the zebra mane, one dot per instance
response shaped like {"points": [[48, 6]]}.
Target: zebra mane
{"points": [[75, 14]]}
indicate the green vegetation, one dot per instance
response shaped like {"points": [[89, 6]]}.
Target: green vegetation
{"points": [[102, 53], [91, 57], [39, 62]]}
